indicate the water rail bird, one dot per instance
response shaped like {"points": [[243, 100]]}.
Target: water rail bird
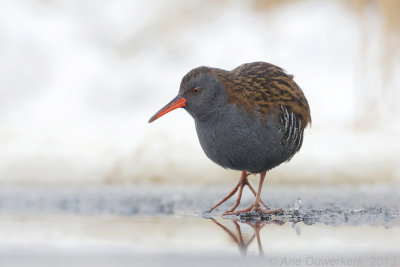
{"points": [[250, 119]]}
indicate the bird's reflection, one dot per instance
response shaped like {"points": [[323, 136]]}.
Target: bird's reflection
{"points": [[237, 235]]}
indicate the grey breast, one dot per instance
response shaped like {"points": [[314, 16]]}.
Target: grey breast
{"points": [[237, 140]]}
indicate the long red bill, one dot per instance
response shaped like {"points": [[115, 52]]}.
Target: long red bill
{"points": [[177, 102]]}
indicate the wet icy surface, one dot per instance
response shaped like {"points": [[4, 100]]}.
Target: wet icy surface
{"points": [[176, 241], [374, 205], [158, 226]]}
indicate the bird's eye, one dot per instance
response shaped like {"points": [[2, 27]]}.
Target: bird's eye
{"points": [[196, 90]]}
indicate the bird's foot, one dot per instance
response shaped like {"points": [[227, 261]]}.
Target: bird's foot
{"points": [[255, 208]]}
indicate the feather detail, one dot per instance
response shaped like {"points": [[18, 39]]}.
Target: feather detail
{"points": [[266, 87]]}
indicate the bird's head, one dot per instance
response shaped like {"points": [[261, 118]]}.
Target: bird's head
{"points": [[201, 93]]}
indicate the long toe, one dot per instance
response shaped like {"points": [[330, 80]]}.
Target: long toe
{"points": [[257, 209], [238, 212], [269, 211]]}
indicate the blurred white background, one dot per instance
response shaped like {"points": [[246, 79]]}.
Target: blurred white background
{"points": [[80, 79]]}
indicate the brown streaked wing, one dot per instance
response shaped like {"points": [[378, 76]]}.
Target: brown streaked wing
{"points": [[266, 87]]}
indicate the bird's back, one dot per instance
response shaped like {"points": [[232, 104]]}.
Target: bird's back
{"points": [[266, 87]]}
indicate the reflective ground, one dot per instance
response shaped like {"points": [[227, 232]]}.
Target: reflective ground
{"points": [[132, 226]]}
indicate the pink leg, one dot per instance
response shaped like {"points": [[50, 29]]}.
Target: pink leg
{"points": [[243, 181]]}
